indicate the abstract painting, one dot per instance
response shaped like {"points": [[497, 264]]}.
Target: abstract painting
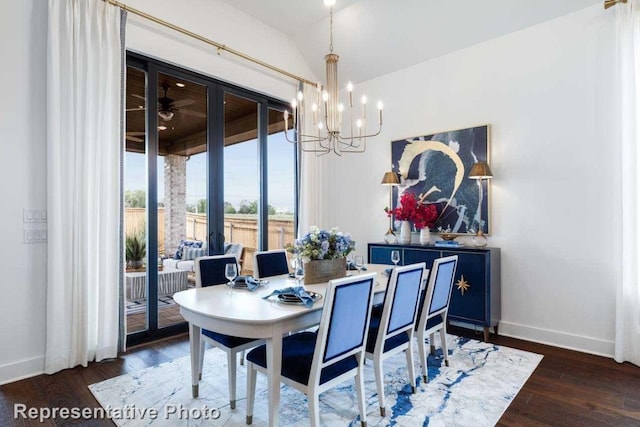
{"points": [[435, 168]]}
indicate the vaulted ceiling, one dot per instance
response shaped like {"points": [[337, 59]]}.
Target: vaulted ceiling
{"points": [[372, 37], [376, 37]]}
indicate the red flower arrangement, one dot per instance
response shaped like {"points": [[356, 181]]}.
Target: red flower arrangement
{"points": [[410, 209]]}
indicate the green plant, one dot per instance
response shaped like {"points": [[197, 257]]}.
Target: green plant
{"points": [[135, 248]]}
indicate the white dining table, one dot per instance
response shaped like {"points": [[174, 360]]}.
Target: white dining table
{"points": [[242, 313]]}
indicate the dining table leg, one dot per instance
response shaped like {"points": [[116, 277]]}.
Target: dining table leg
{"points": [[274, 366], [195, 338]]}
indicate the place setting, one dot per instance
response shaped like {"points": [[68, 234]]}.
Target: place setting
{"points": [[242, 282], [295, 295]]}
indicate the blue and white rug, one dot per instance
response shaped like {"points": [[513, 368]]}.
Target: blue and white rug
{"points": [[474, 390]]}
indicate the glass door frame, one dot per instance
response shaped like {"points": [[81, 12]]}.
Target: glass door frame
{"points": [[215, 174]]}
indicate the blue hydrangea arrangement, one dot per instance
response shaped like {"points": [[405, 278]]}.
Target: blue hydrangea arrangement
{"points": [[321, 244]]}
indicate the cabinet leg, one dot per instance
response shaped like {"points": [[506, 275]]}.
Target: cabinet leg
{"points": [[486, 334]]}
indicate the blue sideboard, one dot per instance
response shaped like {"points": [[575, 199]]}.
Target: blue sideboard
{"points": [[475, 299]]}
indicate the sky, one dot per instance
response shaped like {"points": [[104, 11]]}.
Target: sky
{"points": [[240, 174]]}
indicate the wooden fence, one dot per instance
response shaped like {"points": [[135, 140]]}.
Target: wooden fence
{"points": [[238, 228]]}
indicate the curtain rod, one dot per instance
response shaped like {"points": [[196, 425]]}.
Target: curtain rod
{"points": [[611, 3], [218, 46]]}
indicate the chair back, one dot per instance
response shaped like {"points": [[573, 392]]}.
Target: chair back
{"points": [[210, 269], [344, 323], [270, 263], [234, 249], [400, 309], [438, 292]]}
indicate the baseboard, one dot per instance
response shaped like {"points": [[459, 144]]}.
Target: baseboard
{"points": [[20, 370], [558, 339]]}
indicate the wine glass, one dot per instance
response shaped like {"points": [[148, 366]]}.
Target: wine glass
{"points": [[395, 257], [231, 272], [359, 260], [298, 269]]}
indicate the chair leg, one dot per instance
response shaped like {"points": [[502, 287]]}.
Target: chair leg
{"points": [[377, 368], [314, 408], [361, 397], [251, 391], [410, 369], [231, 364], [201, 358], [242, 358], [423, 356], [432, 343], [443, 341]]}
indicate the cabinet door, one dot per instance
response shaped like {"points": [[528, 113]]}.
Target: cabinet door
{"points": [[471, 304], [382, 255], [412, 256]]}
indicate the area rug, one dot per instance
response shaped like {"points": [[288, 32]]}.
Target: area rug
{"points": [[474, 390]]}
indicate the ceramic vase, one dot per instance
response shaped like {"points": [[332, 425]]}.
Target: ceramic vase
{"points": [[405, 233], [425, 236]]}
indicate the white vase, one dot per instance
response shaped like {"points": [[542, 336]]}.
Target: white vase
{"points": [[425, 236], [405, 233], [479, 240]]}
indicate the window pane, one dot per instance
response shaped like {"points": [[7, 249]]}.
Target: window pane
{"points": [[281, 181], [135, 201], [241, 176], [182, 187]]}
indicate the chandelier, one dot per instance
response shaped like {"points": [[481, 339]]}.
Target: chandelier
{"points": [[327, 131]]}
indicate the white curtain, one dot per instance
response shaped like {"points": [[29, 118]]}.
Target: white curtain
{"points": [[83, 189], [627, 339], [312, 197]]}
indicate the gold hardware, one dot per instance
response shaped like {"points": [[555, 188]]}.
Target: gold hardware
{"points": [[463, 285], [611, 3], [220, 46]]}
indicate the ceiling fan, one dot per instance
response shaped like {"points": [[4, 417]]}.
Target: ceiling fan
{"points": [[133, 136], [167, 107]]}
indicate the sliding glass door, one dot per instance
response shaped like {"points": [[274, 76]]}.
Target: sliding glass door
{"points": [[196, 181]]}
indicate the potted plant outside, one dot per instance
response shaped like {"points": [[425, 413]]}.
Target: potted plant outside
{"points": [[135, 251]]}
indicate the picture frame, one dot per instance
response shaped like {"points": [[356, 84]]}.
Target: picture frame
{"points": [[435, 168]]}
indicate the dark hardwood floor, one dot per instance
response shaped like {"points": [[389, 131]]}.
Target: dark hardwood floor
{"points": [[567, 389]]}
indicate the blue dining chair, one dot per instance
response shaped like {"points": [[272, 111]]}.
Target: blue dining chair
{"points": [[434, 308], [391, 330], [313, 362], [210, 272], [270, 263]]}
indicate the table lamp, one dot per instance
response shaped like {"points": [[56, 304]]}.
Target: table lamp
{"points": [[480, 171], [390, 179]]}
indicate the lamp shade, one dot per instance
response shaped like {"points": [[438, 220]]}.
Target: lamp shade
{"points": [[480, 170], [390, 178]]}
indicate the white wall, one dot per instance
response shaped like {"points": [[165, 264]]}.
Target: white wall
{"points": [[22, 185], [23, 27], [545, 91]]}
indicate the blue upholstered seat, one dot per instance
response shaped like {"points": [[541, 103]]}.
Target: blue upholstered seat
{"points": [[313, 362], [270, 263], [390, 343], [392, 324], [297, 356], [434, 308], [210, 272], [226, 340]]}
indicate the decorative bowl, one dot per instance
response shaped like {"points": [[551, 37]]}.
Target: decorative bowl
{"points": [[448, 236]]}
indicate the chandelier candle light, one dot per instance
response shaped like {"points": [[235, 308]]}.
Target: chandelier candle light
{"points": [[326, 114]]}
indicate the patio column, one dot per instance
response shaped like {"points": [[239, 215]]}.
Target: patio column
{"points": [[175, 201]]}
